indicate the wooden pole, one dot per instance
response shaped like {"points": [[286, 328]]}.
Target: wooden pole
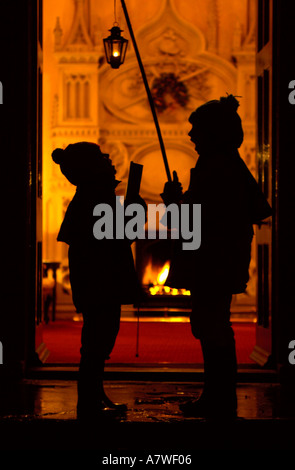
{"points": [[148, 91]]}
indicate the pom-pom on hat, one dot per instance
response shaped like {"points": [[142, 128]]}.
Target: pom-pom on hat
{"points": [[83, 162], [57, 155], [218, 123]]}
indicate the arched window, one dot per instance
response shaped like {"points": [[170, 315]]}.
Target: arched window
{"points": [[86, 99], [78, 100], [68, 100]]}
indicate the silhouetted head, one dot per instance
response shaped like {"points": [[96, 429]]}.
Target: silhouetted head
{"points": [[84, 162], [216, 125]]}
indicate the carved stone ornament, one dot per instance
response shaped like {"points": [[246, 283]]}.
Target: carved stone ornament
{"points": [[78, 46], [171, 49]]}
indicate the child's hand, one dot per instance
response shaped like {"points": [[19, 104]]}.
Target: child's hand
{"points": [[172, 191]]}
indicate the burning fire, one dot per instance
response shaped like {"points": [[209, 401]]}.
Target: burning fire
{"points": [[162, 276], [157, 277]]}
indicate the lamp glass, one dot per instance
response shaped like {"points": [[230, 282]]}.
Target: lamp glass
{"points": [[115, 48]]}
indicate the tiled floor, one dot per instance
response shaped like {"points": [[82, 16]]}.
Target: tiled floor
{"points": [[42, 414]]}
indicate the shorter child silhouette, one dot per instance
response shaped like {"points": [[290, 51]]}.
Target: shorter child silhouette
{"points": [[102, 272]]}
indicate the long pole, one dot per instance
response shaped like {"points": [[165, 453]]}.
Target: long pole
{"points": [[148, 91]]}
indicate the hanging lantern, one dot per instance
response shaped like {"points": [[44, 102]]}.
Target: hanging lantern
{"points": [[115, 47]]}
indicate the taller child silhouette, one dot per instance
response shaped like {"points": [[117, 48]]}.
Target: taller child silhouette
{"points": [[231, 202], [102, 272]]}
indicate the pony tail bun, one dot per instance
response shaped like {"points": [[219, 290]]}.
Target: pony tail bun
{"points": [[230, 102], [57, 156]]}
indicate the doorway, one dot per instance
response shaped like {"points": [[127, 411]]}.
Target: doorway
{"points": [[84, 100]]}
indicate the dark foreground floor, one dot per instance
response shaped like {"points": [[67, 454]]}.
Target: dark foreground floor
{"points": [[41, 414]]}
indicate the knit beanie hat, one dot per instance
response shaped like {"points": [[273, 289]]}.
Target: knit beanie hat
{"points": [[83, 162], [218, 123]]}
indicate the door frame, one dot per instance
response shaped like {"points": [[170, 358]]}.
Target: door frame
{"points": [[263, 350]]}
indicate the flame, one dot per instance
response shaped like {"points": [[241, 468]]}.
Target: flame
{"points": [[157, 277], [162, 276]]}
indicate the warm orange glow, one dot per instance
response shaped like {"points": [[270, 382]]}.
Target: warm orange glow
{"points": [[157, 276], [82, 101]]}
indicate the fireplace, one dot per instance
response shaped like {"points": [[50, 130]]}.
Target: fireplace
{"points": [[153, 259]]}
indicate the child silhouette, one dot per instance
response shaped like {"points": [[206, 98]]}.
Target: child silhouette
{"points": [[231, 202], [102, 272]]}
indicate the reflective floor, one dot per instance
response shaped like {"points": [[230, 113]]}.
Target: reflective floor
{"points": [[42, 414]]}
